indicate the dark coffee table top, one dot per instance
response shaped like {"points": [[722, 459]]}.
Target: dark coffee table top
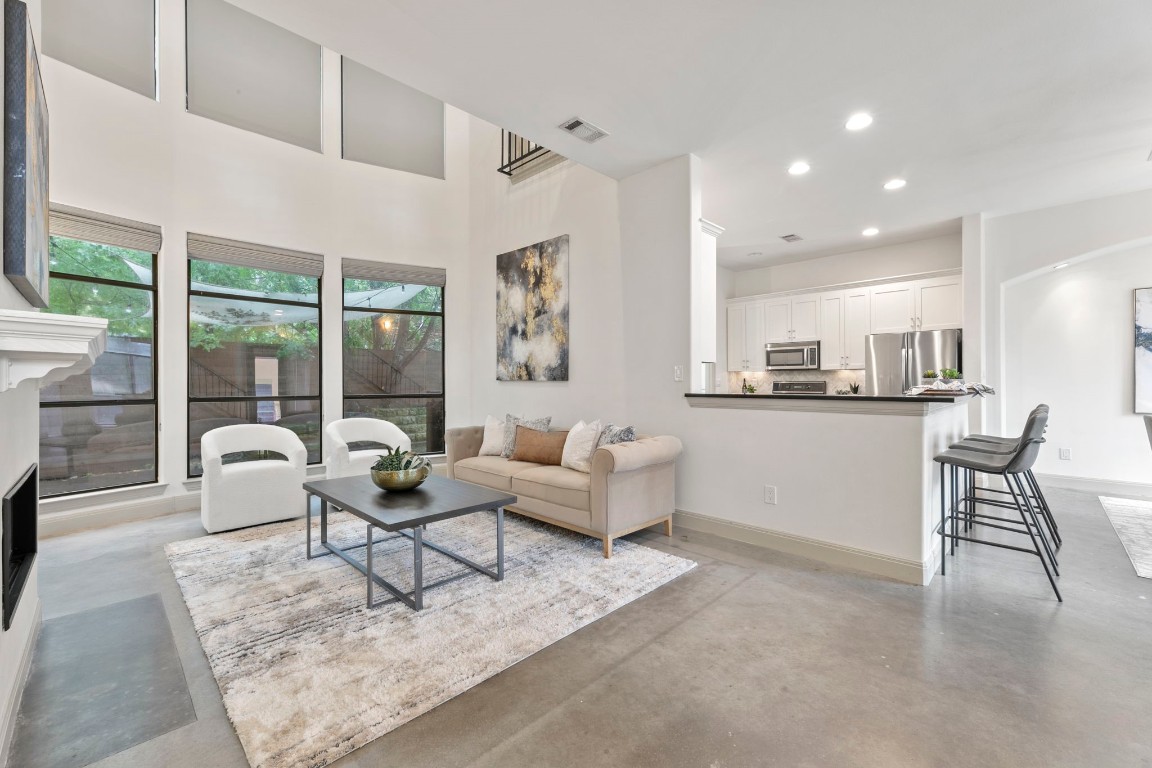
{"points": [[437, 498]]}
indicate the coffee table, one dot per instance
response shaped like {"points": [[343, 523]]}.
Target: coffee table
{"points": [[405, 513]]}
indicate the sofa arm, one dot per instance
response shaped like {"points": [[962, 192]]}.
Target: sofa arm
{"points": [[626, 457], [633, 485], [462, 443]]}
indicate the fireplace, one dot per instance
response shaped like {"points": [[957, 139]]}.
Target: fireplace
{"points": [[19, 539]]}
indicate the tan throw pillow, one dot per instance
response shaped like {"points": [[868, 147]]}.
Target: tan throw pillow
{"points": [[538, 446], [510, 424]]}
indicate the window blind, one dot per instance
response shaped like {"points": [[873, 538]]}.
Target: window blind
{"points": [[249, 73], [390, 124], [79, 224], [382, 271], [241, 254], [114, 40]]}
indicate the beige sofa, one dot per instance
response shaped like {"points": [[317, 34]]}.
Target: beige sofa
{"points": [[631, 486]]}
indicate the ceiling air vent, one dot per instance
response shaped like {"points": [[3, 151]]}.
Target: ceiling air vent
{"points": [[791, 238], [583, 130]]}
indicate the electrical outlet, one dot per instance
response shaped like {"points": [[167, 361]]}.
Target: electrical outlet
{"points": [[769, 494], [1066, 454], [677, 373]]}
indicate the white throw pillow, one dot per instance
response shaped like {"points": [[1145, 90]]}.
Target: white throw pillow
{"points": [[579, 445], [493, 443]]}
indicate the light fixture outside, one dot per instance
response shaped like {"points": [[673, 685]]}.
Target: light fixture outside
{"points": [[1060, 266], [870, 232], [894, 184], [799, 168], [858, 121]]}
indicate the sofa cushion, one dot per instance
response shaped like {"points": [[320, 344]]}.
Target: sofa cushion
{"points": [[558, 485], [490, 471], [539, 446]]}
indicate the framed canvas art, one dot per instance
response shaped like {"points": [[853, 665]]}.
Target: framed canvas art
{"points": [[1144, 350], [532, 312], [25, 160]]}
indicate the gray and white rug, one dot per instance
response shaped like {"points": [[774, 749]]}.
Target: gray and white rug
{"points": [[308, 674], [1132, 520]]}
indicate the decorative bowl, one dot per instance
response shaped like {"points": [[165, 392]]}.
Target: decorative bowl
{"points": [[400, 480]]}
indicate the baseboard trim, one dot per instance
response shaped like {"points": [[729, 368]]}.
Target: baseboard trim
{"points": [[907, 571], [74, 520], [1094, 485], [12, 708]]}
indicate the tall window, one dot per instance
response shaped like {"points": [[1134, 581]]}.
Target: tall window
{"points": [[253, 340], [98, 428], [394, 348]]}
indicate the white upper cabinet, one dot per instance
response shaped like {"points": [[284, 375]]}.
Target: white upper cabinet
{"points": [[736, 317], [893, 308], [939, 303], [777, 320], [832, 322], [841, 319], [806, 317], [857, 325]]}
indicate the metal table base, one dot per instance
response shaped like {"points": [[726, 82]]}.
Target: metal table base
{"points": [[415, 598]]}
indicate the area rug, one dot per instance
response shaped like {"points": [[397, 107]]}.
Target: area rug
{"points": [[1132, 520], [309, 674]]}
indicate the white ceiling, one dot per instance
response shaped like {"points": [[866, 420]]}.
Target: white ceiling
{"points": [[982, 105]]}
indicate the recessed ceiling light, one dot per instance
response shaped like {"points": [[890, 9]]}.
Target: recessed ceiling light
{"points": [[858, 121], [799, 168], [1060, 266], [870, 232], [894, 184], [755, 255]]}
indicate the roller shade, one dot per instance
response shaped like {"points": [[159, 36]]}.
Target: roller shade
{"points": [[79, 224], [360, 269], [241, 254]]}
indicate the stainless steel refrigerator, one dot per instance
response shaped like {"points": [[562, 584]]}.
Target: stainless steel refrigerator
{"points": [[894, 362]]}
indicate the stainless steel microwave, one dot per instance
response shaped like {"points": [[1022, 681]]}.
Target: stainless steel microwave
{"points": [[792, 356]]}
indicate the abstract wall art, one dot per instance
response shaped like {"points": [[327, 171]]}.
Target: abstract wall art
{"points": [[25, 160], [1144, 350], [532, 312]]}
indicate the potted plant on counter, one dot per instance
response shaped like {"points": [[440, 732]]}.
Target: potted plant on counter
{"points": [[928, 378]]}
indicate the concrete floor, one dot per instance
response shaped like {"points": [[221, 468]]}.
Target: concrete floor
{"points": [[752, 659]]}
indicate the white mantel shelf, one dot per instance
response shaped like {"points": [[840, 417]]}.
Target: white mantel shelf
{"points": [[42, 348]]}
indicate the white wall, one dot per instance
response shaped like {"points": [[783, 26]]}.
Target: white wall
{"points": [[1069, 342], [567, 199], [1096, 238], [912, 258], [120, 153]]}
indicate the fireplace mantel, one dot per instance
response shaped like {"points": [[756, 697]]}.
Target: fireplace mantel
{"points": [[45, 348]]}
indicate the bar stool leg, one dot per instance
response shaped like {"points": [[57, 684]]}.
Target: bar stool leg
{"points": [[943, 527], [1035, 544], [1045, 510], [952, 509], [1036, 525]]}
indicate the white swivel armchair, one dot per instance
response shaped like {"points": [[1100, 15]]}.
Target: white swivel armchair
{"points": [[251, 492], [344, 460]]}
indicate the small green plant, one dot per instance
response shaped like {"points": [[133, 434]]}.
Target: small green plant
{"points": [[929, 374], [950, 374], [855, 387], [396, 461]]}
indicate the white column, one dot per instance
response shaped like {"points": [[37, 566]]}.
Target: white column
{"points": [[975, 315], [703, 346]]}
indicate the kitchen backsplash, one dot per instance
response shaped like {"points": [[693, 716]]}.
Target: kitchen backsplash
{"points": [[763, 379]]}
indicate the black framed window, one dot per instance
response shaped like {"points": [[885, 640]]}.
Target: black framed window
{"points": [[253, 351], [98, 429], [394, 353]]}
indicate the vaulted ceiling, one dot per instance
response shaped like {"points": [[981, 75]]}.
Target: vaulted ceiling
{"points": [[982, 105]]}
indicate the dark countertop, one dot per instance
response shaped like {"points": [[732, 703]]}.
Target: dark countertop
{"points": [[864, 398]]}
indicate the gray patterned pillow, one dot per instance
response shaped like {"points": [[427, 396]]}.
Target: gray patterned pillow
{"points": [[614, 434], [510, 423]]}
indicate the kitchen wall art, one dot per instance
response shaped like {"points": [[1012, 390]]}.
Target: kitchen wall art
{"points": [[532, 312]]}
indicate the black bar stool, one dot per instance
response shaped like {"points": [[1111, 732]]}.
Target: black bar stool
{"points": [[1011, 467]]}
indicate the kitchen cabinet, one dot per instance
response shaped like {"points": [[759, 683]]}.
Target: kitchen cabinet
{"points": [[841, 319], [746, 336], [845, 320], [792, 318]]}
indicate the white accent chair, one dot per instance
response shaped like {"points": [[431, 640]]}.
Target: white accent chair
{"points": [[251, 492], [343, 461]]}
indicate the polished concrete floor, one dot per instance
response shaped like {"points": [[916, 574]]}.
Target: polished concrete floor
{"points": [[752, 659]]}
